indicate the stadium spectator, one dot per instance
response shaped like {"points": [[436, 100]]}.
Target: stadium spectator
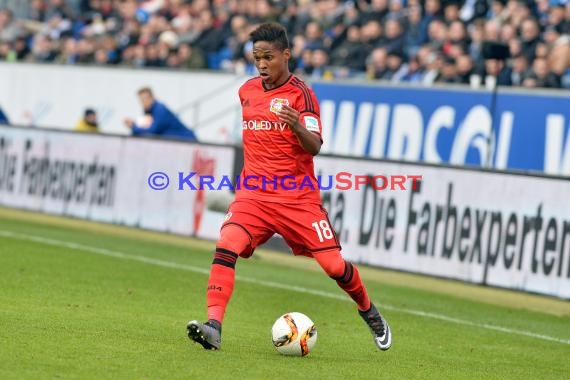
{"points": [[476, 36], [559, 49], [372, 35], [520, 69], [6, 52], [42, 49], [530, 35], [209, 38], [314, 38], [68, 54], [158, 120], [413, 72], [432, 12], [21, 48], [60, 9], [541, 76], [396, 66], [373, 10], [36, 11], [203, 34], [433, 62], [9, 29], [499, 12], [319, 64], [88, 123], [437, 32], [350, 52], [396, 10], [395, 38], [451, 12], [415, 35], [377, 65], [496, 73], [465, 68], [457, 37], [448, 72], [191, 57]]}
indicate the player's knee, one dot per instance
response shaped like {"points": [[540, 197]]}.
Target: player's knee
{"points": [[332, 263], [233, 238]]}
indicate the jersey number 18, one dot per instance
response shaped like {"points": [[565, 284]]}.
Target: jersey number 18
{"points": [[323, 230]]}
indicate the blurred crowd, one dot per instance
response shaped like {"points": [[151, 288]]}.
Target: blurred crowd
{"points": [[415, 41]]}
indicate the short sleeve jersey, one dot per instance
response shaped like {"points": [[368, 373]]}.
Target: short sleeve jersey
{"points": [[276, 167]]}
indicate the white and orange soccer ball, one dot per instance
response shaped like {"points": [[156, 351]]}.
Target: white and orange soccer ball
{"points": [[294, 334]]}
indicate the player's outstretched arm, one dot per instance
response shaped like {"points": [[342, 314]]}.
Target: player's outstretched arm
{"points": [[310, 141]]}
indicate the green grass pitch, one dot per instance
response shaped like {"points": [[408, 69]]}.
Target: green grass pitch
{"points": [[84, 300]]}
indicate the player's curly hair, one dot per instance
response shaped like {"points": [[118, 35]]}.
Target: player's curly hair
{"points": [[271, 32]]}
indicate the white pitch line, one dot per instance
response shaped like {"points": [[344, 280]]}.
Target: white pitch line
{"points": [[270, 284]]}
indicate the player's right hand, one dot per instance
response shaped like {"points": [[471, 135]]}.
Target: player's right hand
{"points": [[288, 115]]}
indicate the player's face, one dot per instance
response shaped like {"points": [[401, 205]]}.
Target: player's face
{"points": [[271, 62]]}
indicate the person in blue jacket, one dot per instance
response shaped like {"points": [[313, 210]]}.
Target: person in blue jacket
{"points": [[158, 120], [3, 117]]}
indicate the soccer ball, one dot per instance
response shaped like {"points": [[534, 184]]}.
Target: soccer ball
{"points": [[294, 334]]}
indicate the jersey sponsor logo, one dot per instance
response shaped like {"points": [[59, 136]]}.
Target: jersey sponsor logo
{"points": [[264, 125], [277, 103], [312, 124]]}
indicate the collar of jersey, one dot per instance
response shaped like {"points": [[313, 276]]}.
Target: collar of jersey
{"points": [[275, 88]]}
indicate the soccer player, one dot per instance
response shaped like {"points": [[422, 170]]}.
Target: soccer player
{"points": [[281, 134]]}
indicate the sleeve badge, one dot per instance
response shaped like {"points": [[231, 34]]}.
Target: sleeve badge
{"points": [[312, 124]]}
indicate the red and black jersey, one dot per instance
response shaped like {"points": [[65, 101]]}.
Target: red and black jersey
{"points": [[275, 163]]}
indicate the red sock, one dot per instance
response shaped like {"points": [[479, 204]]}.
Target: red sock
{"points": [[351, 283], [221, 283], [346, 276]]}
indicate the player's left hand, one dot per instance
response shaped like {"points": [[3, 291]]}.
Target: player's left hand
{"points": [[288, 115]]}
